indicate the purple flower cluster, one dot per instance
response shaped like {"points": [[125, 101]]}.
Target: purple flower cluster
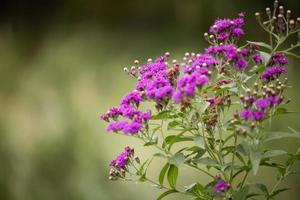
{"points": [[262, 105], [196, 75], [122, 160], [273, 72], [221, 186], [154, 80], [231, 54], [127, 110], [276, 67], [225, 29]]}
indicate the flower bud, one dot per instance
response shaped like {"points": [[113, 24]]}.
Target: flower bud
{"points": [[136, 62], [125, 69], [149, 60], [288, 14], [276, 4], [167, 54], [281, 10], [268, 11], [137, 159], [257, 15]]}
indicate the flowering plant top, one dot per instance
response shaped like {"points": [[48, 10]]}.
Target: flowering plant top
{"points": [[211, 112]]}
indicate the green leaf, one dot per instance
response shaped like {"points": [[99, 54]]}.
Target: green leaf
{"points": [[206, 161], [163, 173], [161, 155], [282, 111], [164, 115], [196, 189], [255, 157], [166, 194], [280, 135], [173, 124], [199, 142], [273, 153], [172, 139], [172, 176], [262, 188], [241, 194], [261, 44], [276, 192], [265, 56], [178, 159]]}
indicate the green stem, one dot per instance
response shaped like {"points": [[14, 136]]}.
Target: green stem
{"points": [[233, 158]]}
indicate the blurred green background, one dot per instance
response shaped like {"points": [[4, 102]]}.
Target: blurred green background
{"points": [[61, 66]]}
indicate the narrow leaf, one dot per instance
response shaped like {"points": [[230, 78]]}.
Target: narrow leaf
{"points": [[172, 176], [163, 173], [166, 194]]}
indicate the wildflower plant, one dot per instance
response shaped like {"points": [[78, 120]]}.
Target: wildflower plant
{"points": [[212, 112]]}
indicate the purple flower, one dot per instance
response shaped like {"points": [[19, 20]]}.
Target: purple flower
{"points": [[220, 25], [223, 36], [116, 126], [280, 59], [258, 115], [143, 116], [178, 96], [133, 97], [273, 72], [221, 186], [238, 32], [122, 160], [128, 111], [105, 116], [239, 22], [257, 58], [241, 64], [201, 80], [274, 100], [263, 104], [246, 114], [132, 128]]}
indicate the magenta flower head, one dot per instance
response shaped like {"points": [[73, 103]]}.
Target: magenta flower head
{"points": [[132, 128], [258, 115], [262, 104], [273, 72], [122, 160], [246, 114], [221, 186], [257, 58], [279, 59]]}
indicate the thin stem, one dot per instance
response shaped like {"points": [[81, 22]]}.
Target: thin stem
{"points": [[244, 179], [202, 170], [233, 158]]}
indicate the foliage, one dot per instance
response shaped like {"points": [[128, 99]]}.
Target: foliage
{"points": [[212, 112]]}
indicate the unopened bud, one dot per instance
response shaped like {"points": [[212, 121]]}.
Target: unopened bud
{"points": [[137, 159], [125, 69], [288, 14], [268, 11], [136, 62], [276, 4], [257, 15], [149, 60], [281, 10], [167, 54]]}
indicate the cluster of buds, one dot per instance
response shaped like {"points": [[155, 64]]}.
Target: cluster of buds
{"points": [[279, 21], [119, 166], [133, 71]]}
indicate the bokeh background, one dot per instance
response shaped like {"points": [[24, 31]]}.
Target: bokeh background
{"points": [[61, 66]]}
